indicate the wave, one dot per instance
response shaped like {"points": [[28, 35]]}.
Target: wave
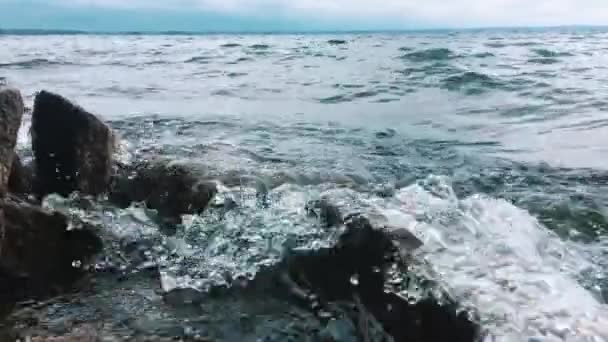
{"points": [[543, 60], [199, 60], [551, 54], [236, 74], [472, 82], [436, 54], [498, 258], [486, 252], [484, 55], [495, 45], [33, 63], [336, 42], [526, 44], [240, 60], [350, 97]]}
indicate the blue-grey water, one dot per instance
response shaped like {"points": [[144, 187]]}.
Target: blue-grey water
{"points": [[491, 146]]}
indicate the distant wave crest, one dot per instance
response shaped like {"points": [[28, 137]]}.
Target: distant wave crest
{"points": [[435, 54], [549, 53], [32, 63], [471, 82]]}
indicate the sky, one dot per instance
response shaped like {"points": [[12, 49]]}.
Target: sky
{"points": [[295, 15]]}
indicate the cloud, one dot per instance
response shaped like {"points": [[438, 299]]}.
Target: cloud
{"points": [[456, 13]]}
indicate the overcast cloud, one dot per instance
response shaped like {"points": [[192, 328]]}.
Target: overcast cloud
{"points": [[447, 13]]}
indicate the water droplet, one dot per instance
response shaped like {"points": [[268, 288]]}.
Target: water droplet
{"points": [[411, 300], [354, 279], [76, 263], [376, 269]]}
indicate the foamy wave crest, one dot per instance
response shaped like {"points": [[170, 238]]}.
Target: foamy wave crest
{"points": [[498, 258]]}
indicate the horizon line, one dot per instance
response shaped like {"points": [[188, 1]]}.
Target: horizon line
{"points": [[35, 31]]}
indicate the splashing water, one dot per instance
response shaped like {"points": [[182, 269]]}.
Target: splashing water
{"points": [[498, 258]]}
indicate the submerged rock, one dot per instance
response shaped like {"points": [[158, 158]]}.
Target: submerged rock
{"points": [[38, 253], [11, 112], [171, 189], [73, 148]]}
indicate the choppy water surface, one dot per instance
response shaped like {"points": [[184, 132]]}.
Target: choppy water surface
{"points": [[490, 146]]}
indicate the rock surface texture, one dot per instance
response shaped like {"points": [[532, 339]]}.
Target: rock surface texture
{"points": [[171, 189], [11, 112], [21, 177], [73, 149], [37, 244]]}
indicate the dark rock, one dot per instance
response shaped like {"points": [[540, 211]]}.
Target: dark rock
{"points": [[328, 214], [406, 241], [21, 177], [72, 148], [171, 189], [180, 297], [355, 270], [39, 252], [11, 112], [336, 42]]}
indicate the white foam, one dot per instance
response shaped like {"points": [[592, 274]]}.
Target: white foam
{"points": [[499, 259]]}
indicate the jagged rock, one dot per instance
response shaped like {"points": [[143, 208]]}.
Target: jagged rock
{"points": [[38, 252], [355, 270], [21, 177], [72, 148], [171, 189], [11, 112]]}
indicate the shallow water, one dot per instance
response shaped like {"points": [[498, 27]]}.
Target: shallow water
{"points": [[487, 145]]}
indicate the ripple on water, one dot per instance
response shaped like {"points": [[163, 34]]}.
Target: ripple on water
{"points": [[34, 63], [406, 49], [544, 60], [546, 53], [472, 83], [524, 44], [259, 46], [484, 55], [495, 45], [429, 55], [240, 60], [199, 60], [336, 42], [341, 98]]}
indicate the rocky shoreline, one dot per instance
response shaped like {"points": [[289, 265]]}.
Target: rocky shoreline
{"points": [[342, 291]]}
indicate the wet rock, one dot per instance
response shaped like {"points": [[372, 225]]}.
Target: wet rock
{"points": [[355, 270], [72, 148], [37, 250], [11, 112], [328, 214], [171, 189], [21, 177]]}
